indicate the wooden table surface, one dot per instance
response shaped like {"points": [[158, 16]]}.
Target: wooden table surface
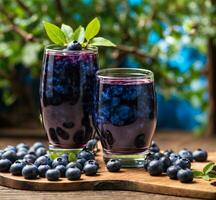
{"points": [[171, 140]]}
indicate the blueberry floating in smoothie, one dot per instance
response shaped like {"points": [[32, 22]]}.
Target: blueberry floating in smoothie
{"points": [[68, 124], [140, 141], [62, 133], [53, 135]]}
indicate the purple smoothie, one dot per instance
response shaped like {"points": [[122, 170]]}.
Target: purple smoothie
{"points": [[66, 96]]}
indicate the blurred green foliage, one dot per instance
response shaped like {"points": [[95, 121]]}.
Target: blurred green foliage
{"points": [[22, 37]]}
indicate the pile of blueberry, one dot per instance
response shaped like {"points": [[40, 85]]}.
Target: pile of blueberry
{"points": [[176, 165], [33, 162]]}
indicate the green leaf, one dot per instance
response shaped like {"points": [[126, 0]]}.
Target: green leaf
{"points": [[92, 29], [71, 156], [208, 167], [100, 41], [197, 174], [212, 175], [206, 178], [54, 33], [79, 34], [68, 31]]}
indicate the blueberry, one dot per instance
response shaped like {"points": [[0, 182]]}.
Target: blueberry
{"points": [[30, 158], [92, 162], [116, 90], [62, 170], [140, 141], [59, 161], [113, 165], [74, 164], [30, 171], [168, 152], [116, 121], [74, 45], [21, 154], [10, 148], [148, 159], [22, 145], [64, 155], [185, 175], [37, 145], [5, 165], [183, 163], [166, 162], [86, 154], [43, 160], [73, 174], [200, 155], [22, 149], [40, 151], [81, 161], [42, 169], [53, 174], [90, 169], [184, 153], [91, 144], [173, 157], [115, 101], [154, 149], [158, 155], [172, 171], [155, 168], [62, 133], [68, 124], [10, 155], [16, 168]]}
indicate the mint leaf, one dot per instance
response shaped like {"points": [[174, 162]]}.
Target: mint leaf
{"points": [[197, 174], [54, 33], [68, 31], [92, 29], [206, 178], [79, 34], [71, 156], [100, 41], [208, 167]]}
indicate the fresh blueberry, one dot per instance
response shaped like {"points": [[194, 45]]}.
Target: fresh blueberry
{"points": [[148, 159], [92, 162], [158, 155], [62, 170], [22, 145], [5, 165], [91, 144], [40, 151], [22, 149], [185, 175], [173, 157], [183, 163], [73, 173], [43, 160], [42, 169], [154, 147], [113, 165], [59, 161], [81, 161], [86, 154], [30, 158], [21, 154], [166, 162], [90, 169], [115, 101], [172, 171], [16, 167], [74, 164], [64, 155], [155, 168], [200, 155], [53, 174], [74, 45], [184, 153], [30, 171], [37, 145], [10, 148], [10, 155], [168, 152]]}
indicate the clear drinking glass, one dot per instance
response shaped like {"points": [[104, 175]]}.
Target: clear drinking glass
{"points": [[125, 113], [66, 96]]}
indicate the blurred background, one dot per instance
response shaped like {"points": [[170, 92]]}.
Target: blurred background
{"points": [[175, 39]]}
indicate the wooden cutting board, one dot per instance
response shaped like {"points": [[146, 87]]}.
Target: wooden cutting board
{"points": [[126, 179]]}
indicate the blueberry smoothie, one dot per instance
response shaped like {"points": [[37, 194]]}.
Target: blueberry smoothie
{"points": [[66, 96], [125, 114]]}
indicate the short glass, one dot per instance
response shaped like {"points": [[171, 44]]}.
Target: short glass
{"points": [[66, 96], [125, 113]]}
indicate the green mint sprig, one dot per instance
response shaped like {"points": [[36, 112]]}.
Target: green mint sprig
{"points": [[208, 172], [85, 36]]}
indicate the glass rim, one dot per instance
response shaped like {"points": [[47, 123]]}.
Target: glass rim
{"points": [[55, 48], [125, 73]]}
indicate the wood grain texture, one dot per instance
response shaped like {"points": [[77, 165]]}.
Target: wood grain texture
{"points": [[127, 179]]}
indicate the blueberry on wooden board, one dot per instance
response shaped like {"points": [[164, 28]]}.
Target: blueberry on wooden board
{"points": [[73, 173], [200, 155], [113, 165], [53, 174], [42, 169], [30, 172], [185, 175], [90, 169], [155, 168], [5, 165], [62, 133]]}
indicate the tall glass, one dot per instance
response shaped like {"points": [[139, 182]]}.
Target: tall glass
{"points": [[66, 96], [125, 113]]}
